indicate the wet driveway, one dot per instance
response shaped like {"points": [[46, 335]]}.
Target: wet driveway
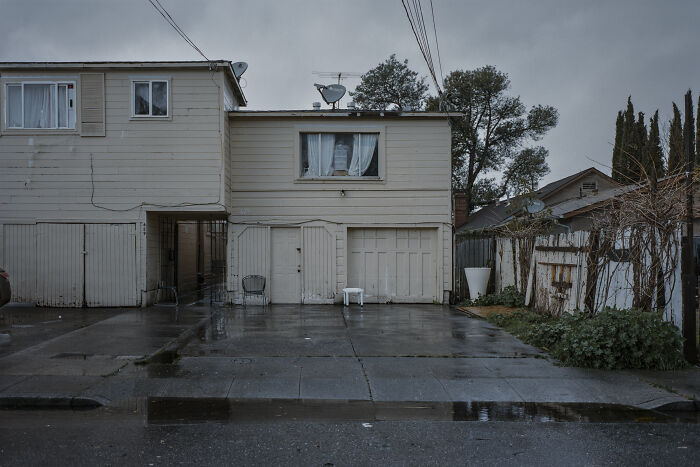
{"points": [[381, 353]]}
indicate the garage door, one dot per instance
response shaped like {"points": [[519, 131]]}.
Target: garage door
{"points": [[397, 265]]}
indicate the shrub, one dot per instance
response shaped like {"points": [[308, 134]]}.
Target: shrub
{"points": [[510, 296], [612, 339]]}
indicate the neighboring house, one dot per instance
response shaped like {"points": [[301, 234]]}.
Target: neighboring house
{"points": [[579, 186], [120, 177], [98, 164]]}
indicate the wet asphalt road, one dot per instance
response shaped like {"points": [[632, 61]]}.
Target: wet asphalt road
{"points": [[93, 438]]}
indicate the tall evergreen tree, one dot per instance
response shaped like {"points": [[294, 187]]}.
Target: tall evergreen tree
{"points": [[689, 131], [617, 165], [628, 148], [639, 167], [654, 153], [697, 135], [675, 143]]}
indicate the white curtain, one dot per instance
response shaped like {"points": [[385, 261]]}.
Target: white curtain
{"points": [[39, 106], [362, 152], [319, 152], [14, 106]]}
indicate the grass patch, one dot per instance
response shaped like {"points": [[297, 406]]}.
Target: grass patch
{"points": [[612, 339]]}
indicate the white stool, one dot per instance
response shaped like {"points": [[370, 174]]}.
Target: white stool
{"points": [[351, 290]]}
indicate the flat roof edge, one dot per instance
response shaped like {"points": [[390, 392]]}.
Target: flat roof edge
{"points": [[337, 114]]}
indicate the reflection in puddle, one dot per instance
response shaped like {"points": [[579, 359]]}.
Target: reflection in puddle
{"points": [[192, 410]]}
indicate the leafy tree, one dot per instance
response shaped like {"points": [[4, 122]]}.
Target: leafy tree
{"points": [[491, 134], [617, 159], [654, 157], [675, 143], [390, 83]]}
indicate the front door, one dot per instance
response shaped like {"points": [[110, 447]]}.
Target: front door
{"points": [[285, 265]]}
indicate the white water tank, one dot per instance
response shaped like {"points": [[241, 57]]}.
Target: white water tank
{"points": [[477, 280]]}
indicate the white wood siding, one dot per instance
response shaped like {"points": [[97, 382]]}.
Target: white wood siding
{"points": [[414, 192], [393, 264], [164, 162], [19, 260], [59, 266], [318, 265], [66, 265], [110, 265]]}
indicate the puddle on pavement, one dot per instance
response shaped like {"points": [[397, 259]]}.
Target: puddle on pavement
{"points": [[196, 410]]}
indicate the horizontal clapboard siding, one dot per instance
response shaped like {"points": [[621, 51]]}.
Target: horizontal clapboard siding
{"points": [[167, 162], [414, 192]]}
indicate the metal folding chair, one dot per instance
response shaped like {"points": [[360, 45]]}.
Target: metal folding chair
{"points": [[254, 285]]}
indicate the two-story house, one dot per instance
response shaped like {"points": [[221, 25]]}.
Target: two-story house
{"points": [[120, 177], [322, 200]]}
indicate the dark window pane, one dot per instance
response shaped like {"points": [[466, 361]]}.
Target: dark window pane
{"points": [[160, 97], [141, 99]]}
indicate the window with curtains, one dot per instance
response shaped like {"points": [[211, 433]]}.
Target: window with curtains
{"points": [[40, 105], [339, 155]]}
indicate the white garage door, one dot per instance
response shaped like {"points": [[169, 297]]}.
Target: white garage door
{"points": [[397, 265]]}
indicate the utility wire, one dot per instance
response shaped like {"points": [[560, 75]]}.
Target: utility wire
{"points": [[169, 19], [437, 44], [414, 13]]}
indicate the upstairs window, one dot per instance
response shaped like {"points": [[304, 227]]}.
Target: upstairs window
{"points": [[40, 105], [150, 98], [339, 155]]}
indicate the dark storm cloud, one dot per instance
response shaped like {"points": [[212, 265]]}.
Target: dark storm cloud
{"points": [[584, 58]]}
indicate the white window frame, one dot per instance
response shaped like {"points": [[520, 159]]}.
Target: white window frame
{"points": [[9, 83], [150, 82], [379, 130]]}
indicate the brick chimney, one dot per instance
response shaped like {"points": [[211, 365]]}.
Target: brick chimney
{"points": [[460, 209]]}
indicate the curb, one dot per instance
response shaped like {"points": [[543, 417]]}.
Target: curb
{"points": [[678, 406], [170, 351], [50, 402]]}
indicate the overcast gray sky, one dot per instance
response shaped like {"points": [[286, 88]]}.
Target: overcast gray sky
{"points": [[583, 57]]}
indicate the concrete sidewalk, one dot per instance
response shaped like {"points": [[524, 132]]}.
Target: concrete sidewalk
{"points": [[379, 353], [63, 367]]}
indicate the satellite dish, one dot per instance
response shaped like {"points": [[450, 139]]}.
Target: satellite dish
{"points": [[331, 93], [239, 68], [532, 206]]}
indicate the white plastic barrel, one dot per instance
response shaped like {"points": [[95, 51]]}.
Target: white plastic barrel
{"points": [[477, 280]]}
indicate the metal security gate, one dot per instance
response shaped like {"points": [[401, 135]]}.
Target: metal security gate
{"points": [[193, 259], [472, 252], [217, 271]]}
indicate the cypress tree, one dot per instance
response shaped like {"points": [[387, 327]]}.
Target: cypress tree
{"points": [[628, 145], [642, 166], [697, 135], [617, 165], [655, 155], [675, 143], [689, 131]]}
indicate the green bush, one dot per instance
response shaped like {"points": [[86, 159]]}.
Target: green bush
{"points": [[509, 296], [612, 339]]}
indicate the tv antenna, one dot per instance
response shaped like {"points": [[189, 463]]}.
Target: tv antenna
{"points": [[339, 75]]}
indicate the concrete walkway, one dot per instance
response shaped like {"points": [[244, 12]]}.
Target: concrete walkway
{"points": [[378, 353]]}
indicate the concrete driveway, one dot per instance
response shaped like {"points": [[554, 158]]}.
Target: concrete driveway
{"points": [[384, 353]]}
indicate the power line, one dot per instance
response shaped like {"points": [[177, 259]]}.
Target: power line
{"points": [[437, 44], [414, 13], [169, 19]]}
